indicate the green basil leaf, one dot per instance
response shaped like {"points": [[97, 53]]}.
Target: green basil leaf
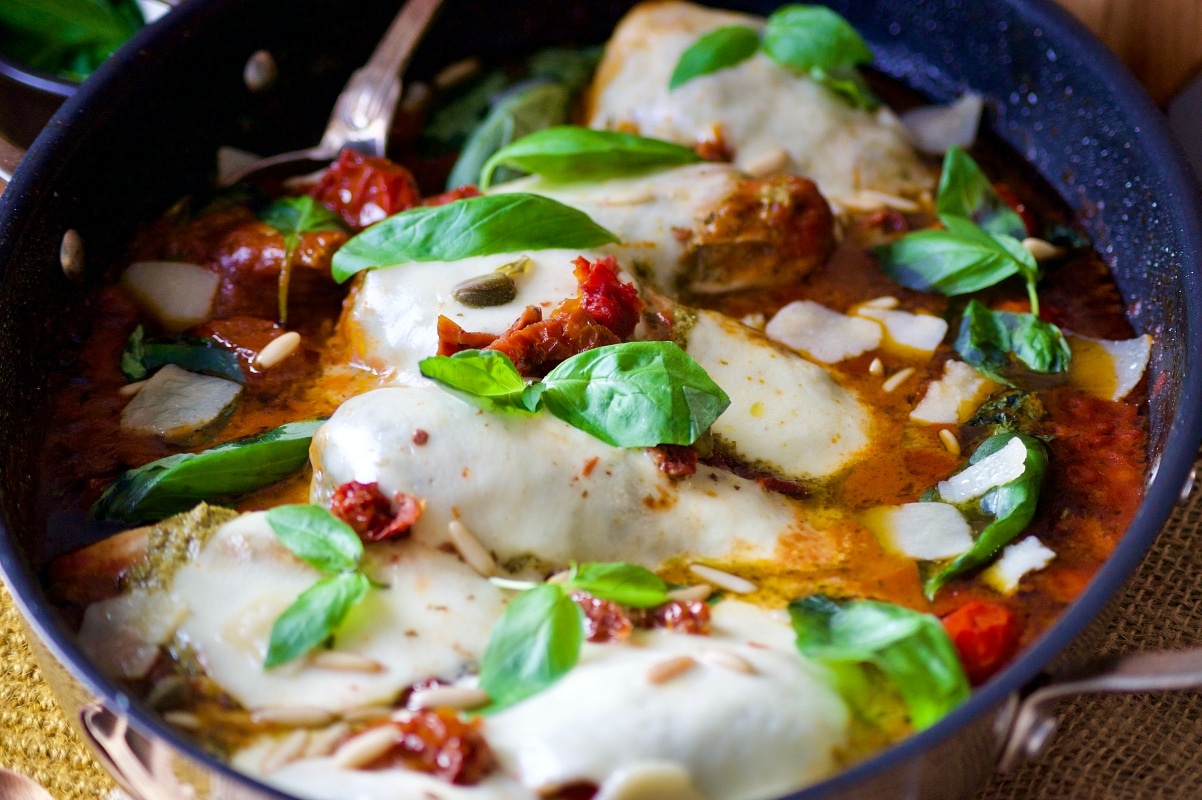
{"points": [[317, 537], [314, 617], [195, 354], [536, 643], [1008, 410], [618, 582], [177, 483], [910, 648], [965, 192], [484, 378], [992, 341], [808, 37], [572, 153], [1012, 505], [958, 260], [637, 394], [133, 354], [848, 83], [524, 112], [476, 226], [67, 37], [573, 67], [293, 216], [717, 50], [455, 116]]}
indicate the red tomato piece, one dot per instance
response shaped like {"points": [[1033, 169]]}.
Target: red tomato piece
{"points": [[366, 189], [1017, 206], [614, 304], [986, 636], [365, 508]]}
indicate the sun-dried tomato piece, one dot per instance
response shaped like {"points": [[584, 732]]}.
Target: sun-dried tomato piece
{"points": [[675, 460], [614, 304], [439, 743], [536, 348], [450, 196], [366, 189], [604, 621], [585, 790], [781, 486], [453, 339], [675, 615], [365, 508]]}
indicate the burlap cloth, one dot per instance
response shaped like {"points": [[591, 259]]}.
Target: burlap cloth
{"points": [[1108, 748]]}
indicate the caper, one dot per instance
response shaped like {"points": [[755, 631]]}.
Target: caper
{"points": [[493, 289]]}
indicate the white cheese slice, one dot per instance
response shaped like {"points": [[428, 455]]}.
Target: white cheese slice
{"points": [[393, 317], [955, 397], [176, 404], [756, 107], [785, 413], [1108, 369], [922, 531], [822, 334], [934, 129], [533, 485], [1018, 559], [121, 639], [905, 332], [994, 470]]}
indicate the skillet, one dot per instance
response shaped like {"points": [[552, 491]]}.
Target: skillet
{"points": [[145, 129]]}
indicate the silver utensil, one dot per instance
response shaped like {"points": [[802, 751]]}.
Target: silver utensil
{"points": [[364, 109]]}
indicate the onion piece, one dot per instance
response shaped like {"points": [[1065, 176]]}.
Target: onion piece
{"points": [[922, 531], [178, 295], [934, 129], [822, 334], [176, 404]]}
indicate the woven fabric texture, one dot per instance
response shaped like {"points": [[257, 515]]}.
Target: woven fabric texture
{"points": [[1117, 747]]}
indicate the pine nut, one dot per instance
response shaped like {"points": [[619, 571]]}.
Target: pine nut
{"points": [[345, 662], [890, 201], [292, 716], [458, 698], [665, 671], [691, 594], [277, 350], [456, 72], [367, 713], [723, 580], [323, 742], [365, 748], [166, 691], [471, 549], [887, 301], [897, 379], [767, 163], [636, 196], [70, 254], [289, 749], [1042, 250], [184, 720], [949, 441], [130, 389], [727, 660], [877, 367]]}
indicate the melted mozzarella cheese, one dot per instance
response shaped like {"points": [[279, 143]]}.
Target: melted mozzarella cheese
{"points": [[786, 413], [432, 620], [757, 107], [533, 485]]}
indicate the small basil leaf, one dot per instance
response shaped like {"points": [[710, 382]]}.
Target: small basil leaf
{"points": [[484, 378], [177, 483], [293, 216], [524, 112], [536, 643], [314, 617], [808, 37], [991, 341], [571, 153], [910, 648], [66, 37], [476, 226], [132, 355], [965, 192], [1012, 505], [317, 537], [717, 50], [637, 394], [625, 584], [572, 67], [958, 260], [848, 83]]}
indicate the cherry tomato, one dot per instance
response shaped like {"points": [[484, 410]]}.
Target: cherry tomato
{"points": [[986, 635], [366, 189]]}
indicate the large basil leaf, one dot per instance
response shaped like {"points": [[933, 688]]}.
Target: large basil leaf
{"points": [[572, 153], [195, 354], [958, 260], [67, 37], [991, 341], [536, 643], [820, 43], [1012, 505], [177, 483], [521, 113], [455, 116], [965, 192], [484, 378], [636, 394], [910, 648], [476, 226], [317, 537], [314, 617], [717, 50], [572, 67], [618, 582]]}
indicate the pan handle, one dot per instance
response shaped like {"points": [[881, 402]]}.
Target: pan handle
{"points": [[10, 158], [141, 766], [1034, 722]]}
